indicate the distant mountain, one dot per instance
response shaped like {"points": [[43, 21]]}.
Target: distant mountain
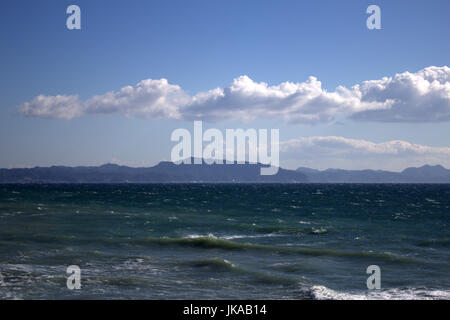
{"points": [[424, 174], [167, 172], [427, 172], [164, 172]]}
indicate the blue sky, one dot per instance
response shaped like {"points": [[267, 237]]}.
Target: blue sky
{"points": [[203, 45]]}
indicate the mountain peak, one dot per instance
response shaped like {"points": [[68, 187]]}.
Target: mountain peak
{"points": [[427, 169]]}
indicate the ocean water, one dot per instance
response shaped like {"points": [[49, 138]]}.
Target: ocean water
{"points": [[225, 241]]}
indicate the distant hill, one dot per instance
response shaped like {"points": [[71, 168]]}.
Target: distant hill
{"points": [[424, 174], [164, 172], [168, 172]]}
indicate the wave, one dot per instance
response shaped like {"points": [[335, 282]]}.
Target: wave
{"points": [[324, 293], [217, 243], [216, 264], [223, 265], [231, 237]]}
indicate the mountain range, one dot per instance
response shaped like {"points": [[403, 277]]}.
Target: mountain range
{"points": [[424, 174], [164, 172], [168, 172]]}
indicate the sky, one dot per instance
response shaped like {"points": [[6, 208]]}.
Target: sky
{"points": [[342, 96]]}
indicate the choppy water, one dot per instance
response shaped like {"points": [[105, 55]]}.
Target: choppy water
{"points": [[225, 241]]}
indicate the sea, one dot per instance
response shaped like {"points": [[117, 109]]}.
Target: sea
{"points": [[225, 241]]}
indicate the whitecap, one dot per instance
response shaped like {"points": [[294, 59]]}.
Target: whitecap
{"points": [[324, 293], [319, 230]]}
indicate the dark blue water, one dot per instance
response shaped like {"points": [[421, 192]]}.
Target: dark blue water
{"points": [[305, 241]]}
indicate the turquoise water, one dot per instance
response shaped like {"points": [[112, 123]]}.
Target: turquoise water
{"points": [[231, 241]]}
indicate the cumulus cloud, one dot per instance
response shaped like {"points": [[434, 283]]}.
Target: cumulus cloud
{"points": [[340, 152], [407, 97], [60, 106], [149, 98], [415, 97]]}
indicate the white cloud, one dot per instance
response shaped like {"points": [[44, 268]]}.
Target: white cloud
{"points": [[340, 152], [407, 97], [149, 98], [305, 102], [416, 97], [60, 106]]}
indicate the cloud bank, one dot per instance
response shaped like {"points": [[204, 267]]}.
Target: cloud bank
{"points": [[406, 97], [320, 152]]}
